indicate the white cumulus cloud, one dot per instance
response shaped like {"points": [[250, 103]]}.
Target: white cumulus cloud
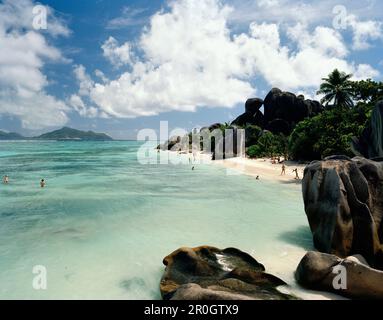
{"points": [[190, 59], [116, 54], [23, 53]]}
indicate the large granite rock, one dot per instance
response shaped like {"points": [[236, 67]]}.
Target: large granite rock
{"points": [[282, 111], [370, 144], [321, 271], [252, 115], [253, 105], [208, 273], [170, 144], [344, 205], [288, 109]]}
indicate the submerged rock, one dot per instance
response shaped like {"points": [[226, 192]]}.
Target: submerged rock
{"points": [[321, 271], [208, 273], [344, 205]]}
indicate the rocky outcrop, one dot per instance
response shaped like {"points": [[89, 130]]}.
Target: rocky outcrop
{"points": [[282, 111], [252, 115], [208, 273], [370, 144], [170, 144], [344, 205], [351, 277]]}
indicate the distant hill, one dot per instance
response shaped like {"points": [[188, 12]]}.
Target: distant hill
{"points": [[10, 136], [74, 134]]}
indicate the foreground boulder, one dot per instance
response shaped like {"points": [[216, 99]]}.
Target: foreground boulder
{"points": [[208, 273], [320, 271], [344, 205]]}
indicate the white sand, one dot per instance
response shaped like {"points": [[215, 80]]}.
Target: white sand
{"points": [[264, 168]]}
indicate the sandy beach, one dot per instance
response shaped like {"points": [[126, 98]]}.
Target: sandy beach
{"points": [[264, 169]]}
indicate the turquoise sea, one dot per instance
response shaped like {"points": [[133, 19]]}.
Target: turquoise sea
{"points": [[104, 222]]}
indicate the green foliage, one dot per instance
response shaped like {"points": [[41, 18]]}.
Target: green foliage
{"points": [[337, 89], [269, 145], [367, 91], [328, 133], [252, 134]]}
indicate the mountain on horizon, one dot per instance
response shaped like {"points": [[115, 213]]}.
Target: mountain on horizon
{"points": [[62, 134], [10, 136], [67, 133]]}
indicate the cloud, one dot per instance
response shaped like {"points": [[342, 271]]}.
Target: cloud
{"points": [[86, 85], [190, 59], [23, 54], [364, 32], [84, 80], [129, 17], [116, 54]]}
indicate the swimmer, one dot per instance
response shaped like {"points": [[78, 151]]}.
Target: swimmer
{"points": [[42, 183], [5, 179]]}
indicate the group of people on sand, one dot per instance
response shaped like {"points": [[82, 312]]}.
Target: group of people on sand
{"points": [[6, 181], [283, 173]]}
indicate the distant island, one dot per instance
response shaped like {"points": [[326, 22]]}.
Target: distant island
{"points": [[63, 134]]}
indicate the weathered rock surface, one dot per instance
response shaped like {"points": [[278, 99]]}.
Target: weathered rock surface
{"points": [[344, 205], [252, 115], [282, 111], [370, 144], [316, 271], [208, 273], [288, 108]]}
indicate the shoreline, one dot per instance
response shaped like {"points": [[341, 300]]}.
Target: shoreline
{"points": [[264, 169], [283, 266]]}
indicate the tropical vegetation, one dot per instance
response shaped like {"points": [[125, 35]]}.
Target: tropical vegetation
{"points": [[348, 106]]}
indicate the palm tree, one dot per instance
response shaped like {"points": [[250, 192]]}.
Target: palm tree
{"points": [[337, 88]]}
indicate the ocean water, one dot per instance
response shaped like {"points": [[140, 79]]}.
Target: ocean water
{"points": [[104, 222]]}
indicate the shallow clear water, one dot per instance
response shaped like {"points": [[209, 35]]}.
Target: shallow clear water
{"points": [[104, 222]]}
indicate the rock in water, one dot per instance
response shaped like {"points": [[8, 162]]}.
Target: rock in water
{"points": [[350, 277], [370, 144], [208, 273], [344, 205]]}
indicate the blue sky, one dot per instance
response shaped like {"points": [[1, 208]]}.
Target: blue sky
{"points": [[121, 66]]}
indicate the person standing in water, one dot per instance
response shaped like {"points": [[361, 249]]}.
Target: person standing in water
{"points": [[5, 179], [283, 173], [42, 183]]}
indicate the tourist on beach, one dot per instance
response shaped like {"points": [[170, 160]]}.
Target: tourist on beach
{"points": [[5, 179], [283, 173], [42, 183], [193, 168], [296, 174]]}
